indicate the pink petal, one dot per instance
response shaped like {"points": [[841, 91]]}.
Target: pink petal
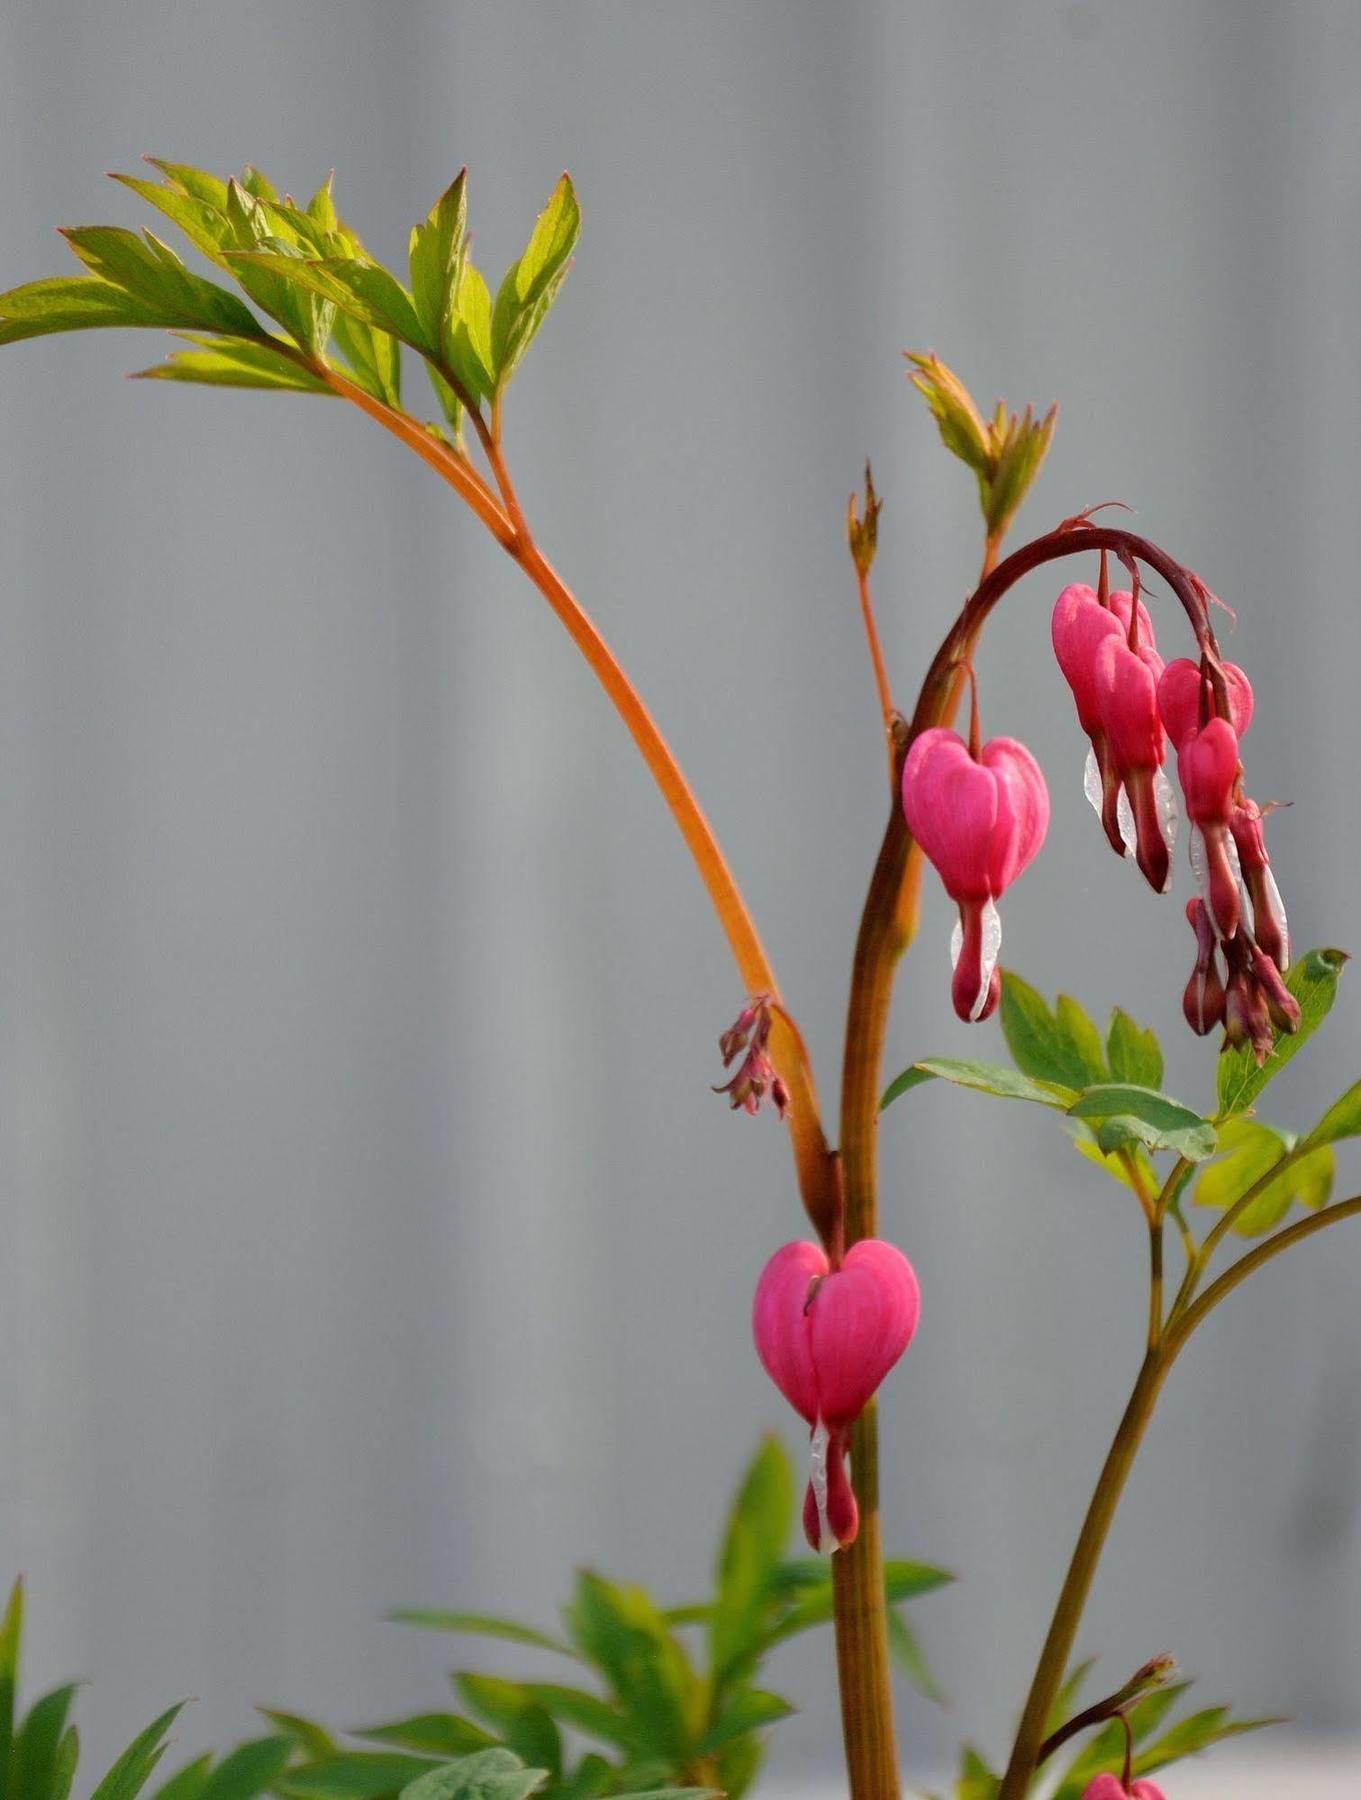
{"points": [[1022, 809], [780, 1324], [862, 1320]]}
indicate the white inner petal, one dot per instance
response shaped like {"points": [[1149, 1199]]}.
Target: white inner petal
{"points": [[992, 949], [956, 944], [1091, 782], [1124, 814], [1278, 907], [1195, 845], [817, 1476], [1165, 804]]}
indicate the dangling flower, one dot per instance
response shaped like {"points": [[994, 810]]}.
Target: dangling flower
{"points": [[1105, 647], [1186, 700], [980, 815], [1110, 1787], [1208, 768], [827, 1338]]}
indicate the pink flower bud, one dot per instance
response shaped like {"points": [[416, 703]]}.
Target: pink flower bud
{"points": [[1110, 1787], [1269, 927], [1180, 693], [1247, 1018], [1203, 1001], [1079, 626], [827, 1338], [1208, 767], [980, 822]]}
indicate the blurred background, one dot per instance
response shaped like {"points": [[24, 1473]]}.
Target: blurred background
{"points": [[371, 1236]]}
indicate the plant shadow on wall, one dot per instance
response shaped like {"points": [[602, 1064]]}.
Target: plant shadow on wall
{"points": [[833, 1314]]}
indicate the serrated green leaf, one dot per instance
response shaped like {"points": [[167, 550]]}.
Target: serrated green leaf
{"points": [[1018, 462], [256, 182], [1154, 1119], [203, 222], [228, 362], [490, 1775], [375, 357], [155, 277], [1342, 1119], [444, 1734], [436, 259], [758, 1529], [749, 1710], [1249, 1150], [295, 307], [986, 1078], [130, 1774], [211, 189], [622, 1632], [71, 303], [1312, 979], [470, 353], [1061, 1046], [362, 289], [530, 285], [1133, 1052], [961, 426], [488, 1625]]}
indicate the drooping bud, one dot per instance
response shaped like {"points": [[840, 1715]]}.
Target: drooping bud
{"points": [[1281, 1004], [1203, 1001], [979, 818], [1269, 927], [1247, 1019], [1208, 768], [1110, 1787], [1186, 699], [827, 1338]]}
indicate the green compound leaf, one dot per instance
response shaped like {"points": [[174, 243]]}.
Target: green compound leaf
{"points": [[530, 285], [1142, 1115], [1313, 980], [151, 273], [232, 362], [986, 1078], [1133, 1052], [1062, 1046], [436, 258], [1250, 1149]]}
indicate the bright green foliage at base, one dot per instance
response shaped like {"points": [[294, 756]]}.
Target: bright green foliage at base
{"points": [[652, 1698]]}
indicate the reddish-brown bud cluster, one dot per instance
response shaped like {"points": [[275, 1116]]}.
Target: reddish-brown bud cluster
{"points": [[755, 1075]]}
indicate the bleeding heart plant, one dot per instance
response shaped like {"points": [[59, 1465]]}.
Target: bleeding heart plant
{"points": [[316, 314]]}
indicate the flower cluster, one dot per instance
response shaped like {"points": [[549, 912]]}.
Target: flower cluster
{"points": [[980, 811], [827, 1337]]}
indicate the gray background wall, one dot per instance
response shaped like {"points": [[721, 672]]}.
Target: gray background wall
{"points": [[370, 1235]]}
